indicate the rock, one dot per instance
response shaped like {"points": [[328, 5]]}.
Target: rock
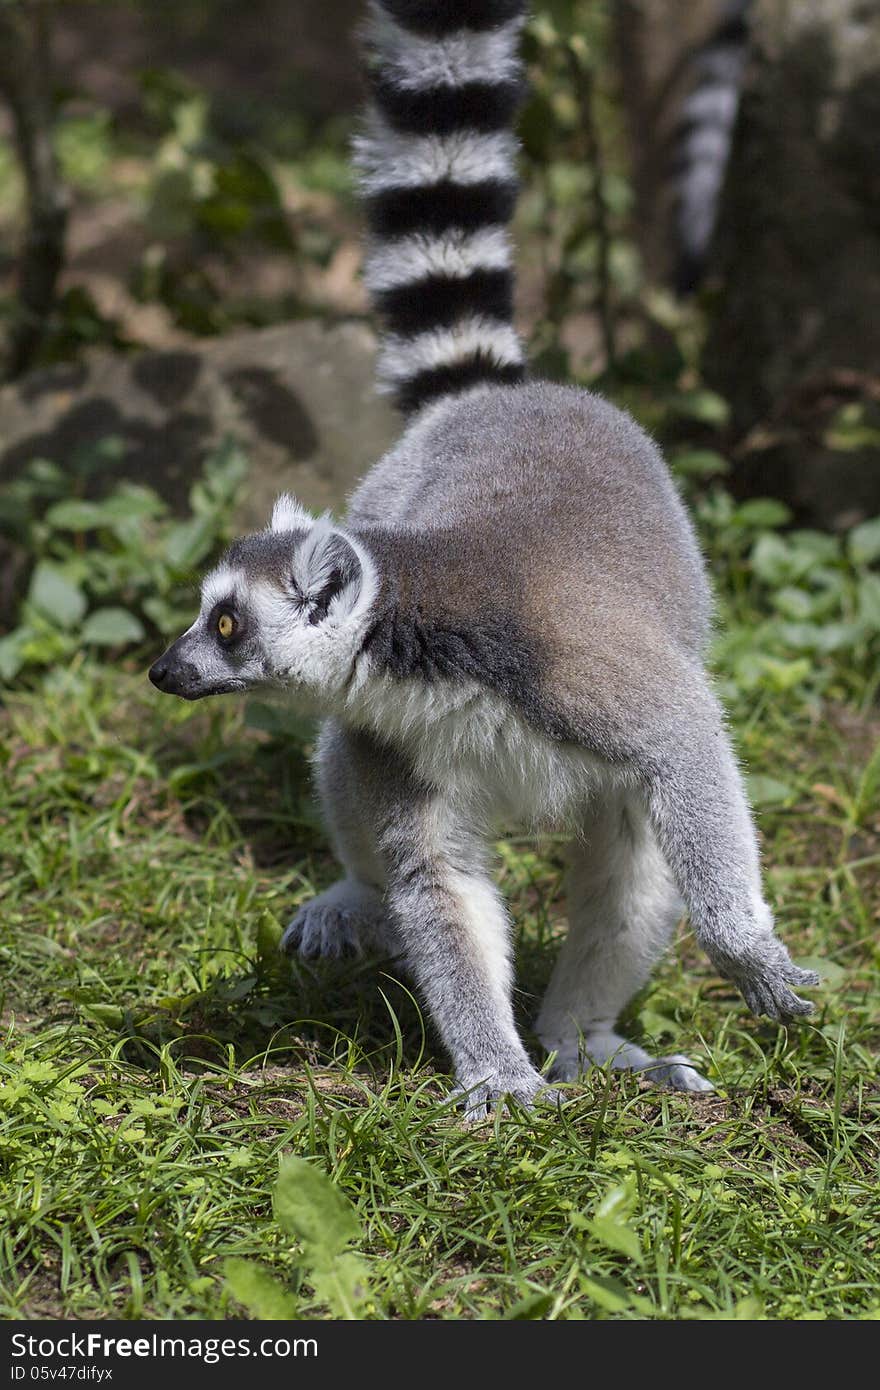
{"points": [[299, 397]]}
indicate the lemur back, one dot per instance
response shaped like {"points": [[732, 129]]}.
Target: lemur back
{"points": [[510, 623]]}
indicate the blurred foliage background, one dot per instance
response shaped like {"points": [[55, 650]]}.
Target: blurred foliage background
{"points": [[171, 176]]}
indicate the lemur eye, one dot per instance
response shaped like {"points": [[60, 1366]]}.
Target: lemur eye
{"points": [[225, 625]]}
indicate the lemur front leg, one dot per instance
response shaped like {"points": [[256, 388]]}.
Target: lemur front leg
{"points": [[439, 908], [351, 917], [699, 810], [456, 937]]}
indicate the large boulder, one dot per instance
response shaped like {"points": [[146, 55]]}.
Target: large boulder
{"points": [[299, 398]]}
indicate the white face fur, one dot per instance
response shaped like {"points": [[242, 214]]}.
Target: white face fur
{"points": [[286, 609]]}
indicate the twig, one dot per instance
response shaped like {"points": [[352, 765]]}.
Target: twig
{"points": [[26, 85], [582, 79]]}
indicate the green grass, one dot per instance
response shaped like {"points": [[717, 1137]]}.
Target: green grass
{"points": [[158, 1059]]}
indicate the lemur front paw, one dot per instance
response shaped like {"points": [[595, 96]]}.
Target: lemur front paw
{"points": [[340, 922], [764, 977], [481, 1099]]}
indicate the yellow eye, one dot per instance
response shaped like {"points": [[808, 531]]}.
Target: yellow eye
{"points": [[225, 625]]}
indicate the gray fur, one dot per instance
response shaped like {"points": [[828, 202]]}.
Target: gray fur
{"points": [[524, 646]]}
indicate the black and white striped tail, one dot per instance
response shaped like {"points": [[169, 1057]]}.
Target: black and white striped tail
{"points": [[437, 170], [703, 140]]}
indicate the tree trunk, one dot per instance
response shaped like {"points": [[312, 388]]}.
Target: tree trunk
{"points": [[795, 330]]}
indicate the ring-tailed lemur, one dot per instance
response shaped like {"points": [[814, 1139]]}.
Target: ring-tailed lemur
{"points": [[703, 139], [508, 627]]}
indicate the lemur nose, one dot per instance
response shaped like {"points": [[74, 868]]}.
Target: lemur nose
{"points": [[158, 671]]}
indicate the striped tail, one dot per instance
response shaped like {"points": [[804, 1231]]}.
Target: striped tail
{"points": [[437, 170], [703, 139]]}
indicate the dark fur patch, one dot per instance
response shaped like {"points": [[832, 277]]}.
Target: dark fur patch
{"points": [[264, 555], [441, 207], [441, 381], [477, 106], [734, 33], [494, 652], [438, 17], [408, 645], [441, 300]]}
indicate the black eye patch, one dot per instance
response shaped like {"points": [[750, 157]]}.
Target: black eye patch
{"points": [[223, 612]]}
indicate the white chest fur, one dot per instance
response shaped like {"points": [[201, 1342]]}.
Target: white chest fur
{"points": [[473, 744]]}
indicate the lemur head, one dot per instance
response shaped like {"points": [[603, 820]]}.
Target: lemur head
{"points": [[286, 609]]}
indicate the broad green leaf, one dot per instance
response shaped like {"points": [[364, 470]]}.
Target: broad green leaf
{"points": [[75, 516], [167, 617], [55, 596], [869, 601], [616, 1235], [835, 637], [767, 791], [189, 542], [48, 478], [762, 512], [703, 405], [700, 463], [610, 1294], [794, 603], [269, 934], [111, 627], [108, 1015], [609, 1225], [785, 675], [310, 1206], [817, 545], [864, 542], [12, 656], [224, 473], [260, 1292], [131, 500], [340, 1281], [657, 1025], [771, 559]]}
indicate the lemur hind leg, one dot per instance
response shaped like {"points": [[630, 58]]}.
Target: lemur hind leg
{"points": [[698, 808], [622, 905], [351, 917], [457, 942]]}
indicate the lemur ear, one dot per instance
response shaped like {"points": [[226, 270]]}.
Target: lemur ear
{"points": [[327, 572], [288, 515]]}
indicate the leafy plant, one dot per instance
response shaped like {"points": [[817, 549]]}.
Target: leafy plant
{"points": [[794, 598], [98, 573], [210, 192], [310, 1208]]}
